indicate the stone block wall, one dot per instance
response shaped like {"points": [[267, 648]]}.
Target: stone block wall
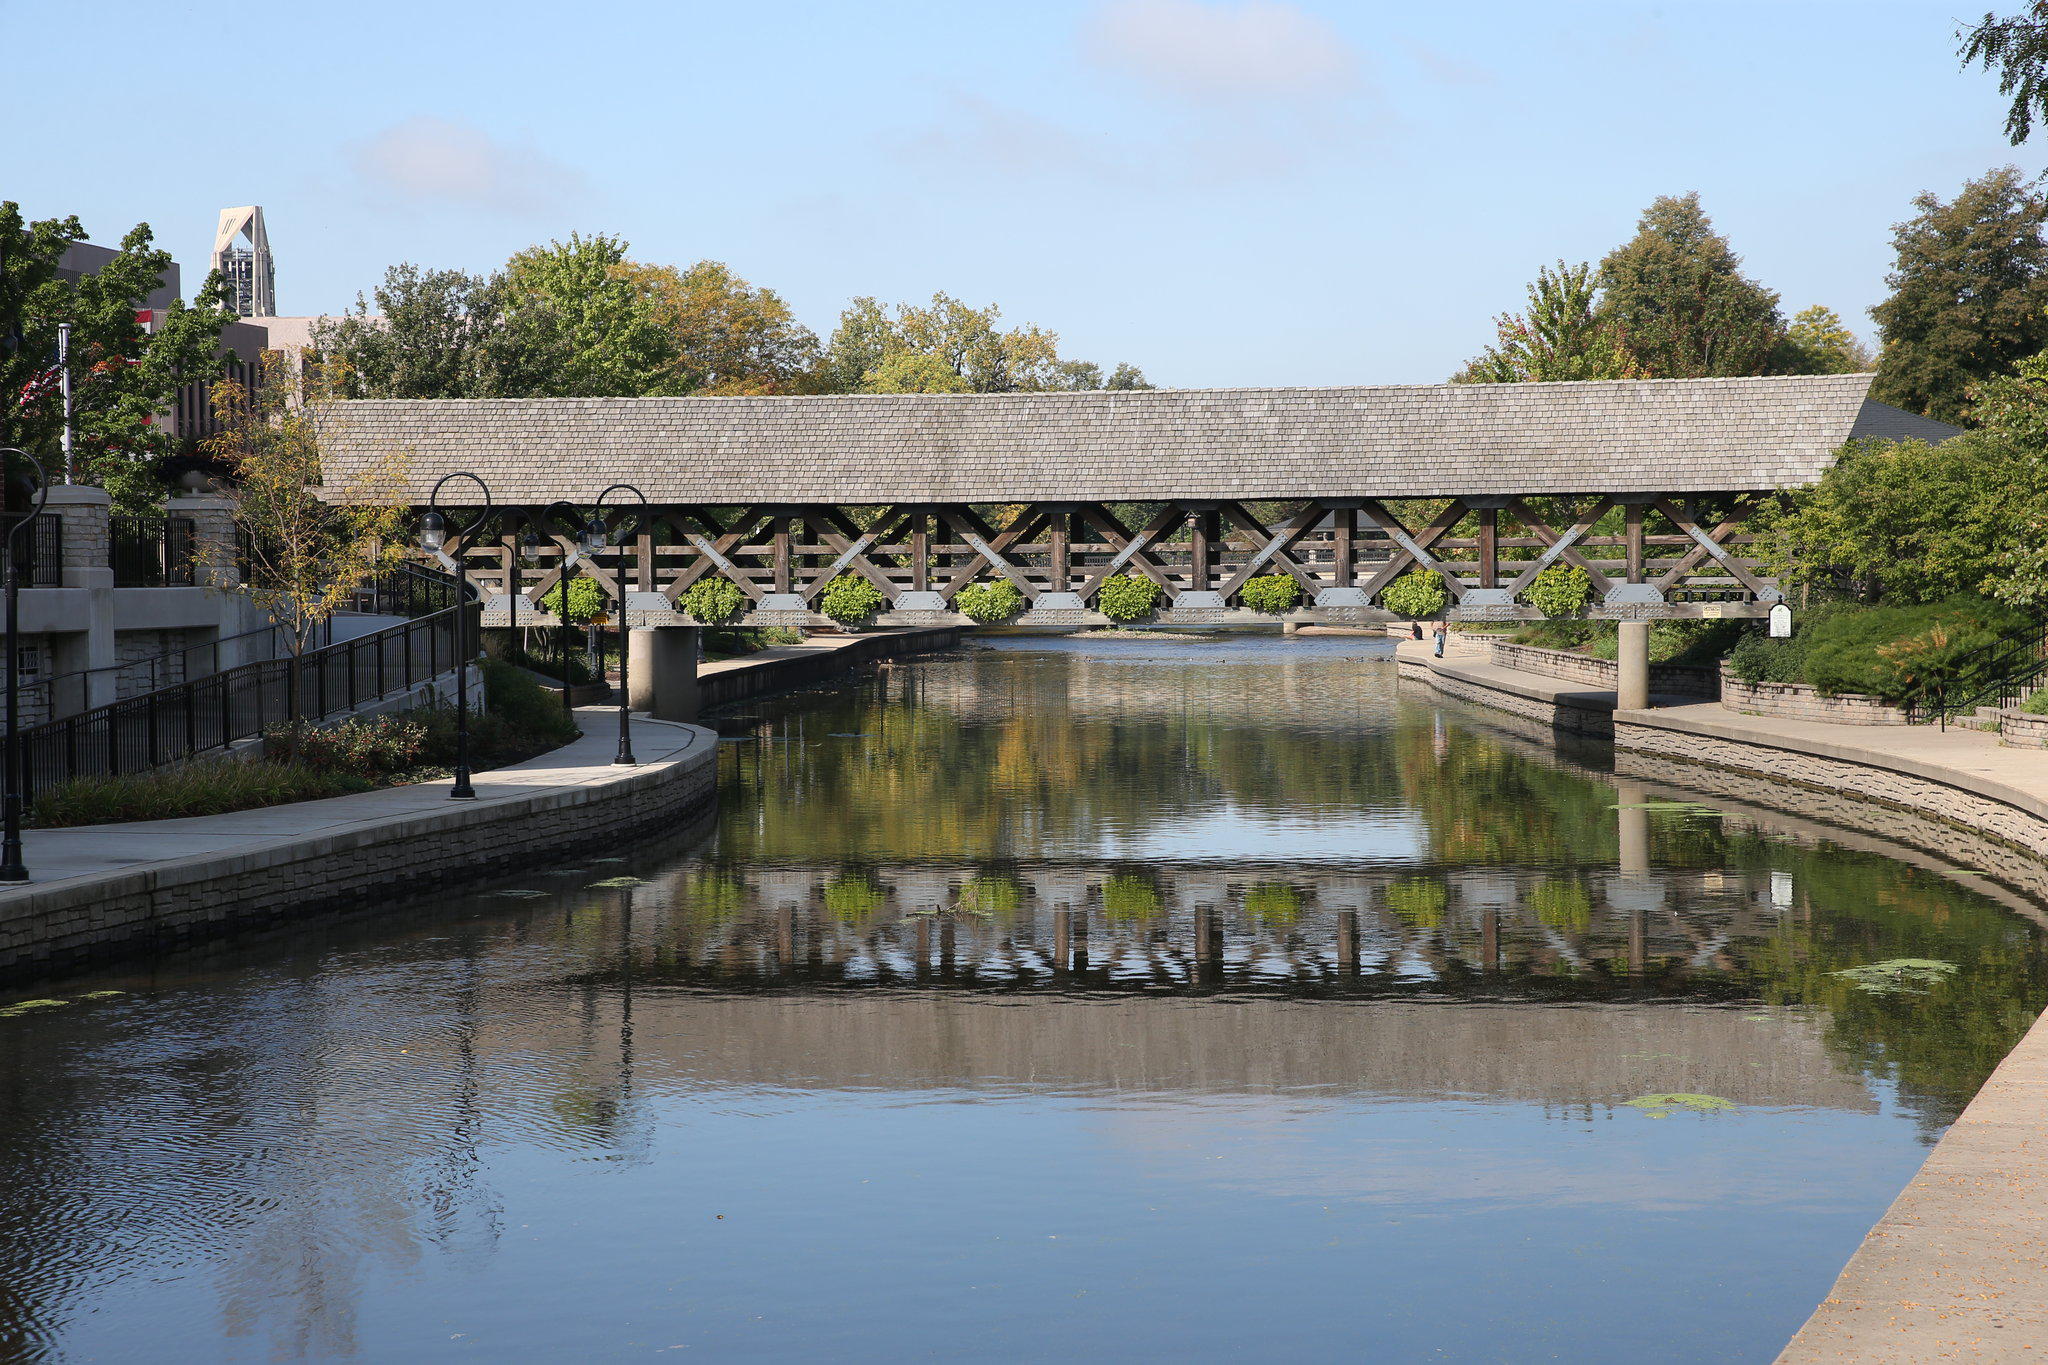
{"points": [[1796, 701], [2022, 730], [87, 515], [44, 930], [1682, 679]]}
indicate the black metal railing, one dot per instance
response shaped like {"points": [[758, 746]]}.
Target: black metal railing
{"points": [[174, 723], [2001, 676], [39, 551], [153, 552]]}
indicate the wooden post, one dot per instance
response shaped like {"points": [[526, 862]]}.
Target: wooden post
{"points": [[1489, 940], [1489, 547], [1201, 552], [781, 542], [1347, 545], [1347, 942], [1062, 940], [1632, 522], [920, 554], [1057, 530], [1638, 942]]}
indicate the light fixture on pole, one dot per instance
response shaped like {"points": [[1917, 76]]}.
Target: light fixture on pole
{"points": [[12, 869], [598, 532], [433, 537]]}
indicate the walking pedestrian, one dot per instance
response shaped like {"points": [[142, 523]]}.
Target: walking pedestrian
{"points": [[1442, 630]]}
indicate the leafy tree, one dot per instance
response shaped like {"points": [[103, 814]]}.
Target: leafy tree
{"points": [[948, 335], [729, 336], [1819, 342], [1969, 294], [2017, 48], [125, 377], [1562, 336], [432, 334], [1127, 376], [313, 542], [1676, 291], [594, 315]]}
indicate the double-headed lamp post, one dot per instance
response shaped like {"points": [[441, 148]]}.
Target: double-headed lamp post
{"points": [[433, 536], [530, 547], [13, 871], [600, 532]]}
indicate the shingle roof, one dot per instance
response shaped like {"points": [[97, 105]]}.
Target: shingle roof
{"points": [[1437, 440]]}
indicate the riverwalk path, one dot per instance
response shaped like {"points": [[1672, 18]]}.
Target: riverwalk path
{"points": [[1957, 1269]]}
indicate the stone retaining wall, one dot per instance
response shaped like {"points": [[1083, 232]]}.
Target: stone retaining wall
{"points": [[1796, 701], [75, 923], [1682, 679], [2023, 730], [777, 672]]}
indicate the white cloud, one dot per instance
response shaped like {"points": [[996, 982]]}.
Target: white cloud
{"points": [[975, 133], [428, 160], [1208, 52]]}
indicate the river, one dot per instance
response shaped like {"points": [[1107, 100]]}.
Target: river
{"points": [[1053, 998]]}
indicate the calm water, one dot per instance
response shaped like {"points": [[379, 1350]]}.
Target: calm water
{"points": [[1078, 1000]]}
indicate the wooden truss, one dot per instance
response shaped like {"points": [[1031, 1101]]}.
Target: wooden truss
{"points": [[1643, 556]]}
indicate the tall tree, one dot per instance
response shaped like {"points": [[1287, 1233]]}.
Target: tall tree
{"points": [[431, 334], [1562, 336], [592, 312], [1676, 291], [1969, 294], [965, 342], [125, 374], [2016, 47], [1819, 342], [728, 336]]}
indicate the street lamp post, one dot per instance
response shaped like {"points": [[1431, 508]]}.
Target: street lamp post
{"points": [[529, 550], [434, 535], [601, 533], [12, 870]]}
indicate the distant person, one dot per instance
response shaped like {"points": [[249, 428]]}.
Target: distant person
{"points": [[1416, 626], [1442, 631]]}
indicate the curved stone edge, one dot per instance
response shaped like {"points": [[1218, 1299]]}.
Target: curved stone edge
{"points": [[98, 918], [1955, 1269]]}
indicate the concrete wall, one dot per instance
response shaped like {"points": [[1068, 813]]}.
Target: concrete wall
{"points": [[1796, 701], [69, 924], [779, 670]]}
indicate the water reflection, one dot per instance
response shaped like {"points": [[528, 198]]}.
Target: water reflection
{"points": [[1226, 1000]]}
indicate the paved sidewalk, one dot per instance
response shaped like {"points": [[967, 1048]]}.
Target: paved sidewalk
{"points": [[56, 856], [1957, 1269]]}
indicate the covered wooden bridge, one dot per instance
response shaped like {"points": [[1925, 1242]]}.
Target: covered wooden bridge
{"points": [[1644, 485]]}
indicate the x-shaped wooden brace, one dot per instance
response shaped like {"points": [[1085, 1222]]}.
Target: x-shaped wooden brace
{"points": [[990, 546], [1272, 547], [1559, 547], [852, 543], [1132, 551], [1413, 548], [1708, 545], [714, 552]]}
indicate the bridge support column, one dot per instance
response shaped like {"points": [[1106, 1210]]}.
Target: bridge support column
{"points": [[1633, 693], [664, 668]]}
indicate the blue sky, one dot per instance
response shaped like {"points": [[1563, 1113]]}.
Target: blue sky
{"points": [[1223, 193]]}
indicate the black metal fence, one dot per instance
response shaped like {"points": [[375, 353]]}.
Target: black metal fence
{"points": [[223, 708], [2004, 676], [153, 552], [39, 551]]}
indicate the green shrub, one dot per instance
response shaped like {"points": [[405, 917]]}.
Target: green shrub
{"points": [[1417, 593], [1272, 593], [850, 599], [1419, 902], [712, 601], [213, 787], [2037, 703], [1565, 634], [372, 747], [1560, 590], [1130, 896], [1900, 653], [519, 718], [1127, 597], [991, 604], [586, 600]]}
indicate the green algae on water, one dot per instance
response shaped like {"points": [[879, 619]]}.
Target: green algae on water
{"points": [[1663, 1106], [1899, 975], [609, 882], [29, 1006]]}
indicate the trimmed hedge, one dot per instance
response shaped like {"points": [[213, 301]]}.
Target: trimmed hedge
{"points": [[1272, 593], [1897, 653], [990, 604], [1127, 597], [1417, 593], [586, 600], [1560, 590], [712, 601], [851, 600]]}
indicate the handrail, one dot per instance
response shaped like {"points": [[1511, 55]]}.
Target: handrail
{"points": [[2005, 675]]}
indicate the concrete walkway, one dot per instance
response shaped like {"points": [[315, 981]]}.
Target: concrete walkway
{"points": [[1957, 1269], [59, 856]]}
